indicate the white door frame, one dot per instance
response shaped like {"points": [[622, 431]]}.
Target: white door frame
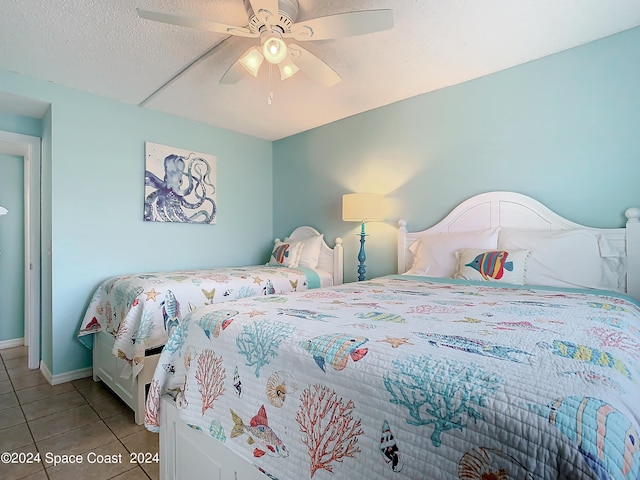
{"points": [[28, 147]]}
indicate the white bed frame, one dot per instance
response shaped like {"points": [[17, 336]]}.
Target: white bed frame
{"points": [[132, 391], [188, 454]]}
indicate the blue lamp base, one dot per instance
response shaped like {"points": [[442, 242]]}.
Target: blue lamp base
{"points": [[362, 256]]}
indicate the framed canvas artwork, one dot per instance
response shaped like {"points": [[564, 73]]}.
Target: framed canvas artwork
{"points": [[179, 185]]}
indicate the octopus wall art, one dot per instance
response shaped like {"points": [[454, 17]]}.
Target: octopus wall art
{"points": [[179, 185]]}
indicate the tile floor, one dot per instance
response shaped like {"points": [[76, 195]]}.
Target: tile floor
{"points": [[76, 418]]}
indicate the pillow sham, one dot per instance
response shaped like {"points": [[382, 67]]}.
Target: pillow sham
{"points": [[435, 255], [311, 248], [577, 258], [492, 265], [286, 254]]}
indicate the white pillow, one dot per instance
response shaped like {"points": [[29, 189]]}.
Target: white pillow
{"points": [[435, 255], [286, 254], [492, 266], [310, 251], [566, 258]]}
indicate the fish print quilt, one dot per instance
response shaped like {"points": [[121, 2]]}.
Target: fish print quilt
{"points": [[141, 310], [411, 377]]}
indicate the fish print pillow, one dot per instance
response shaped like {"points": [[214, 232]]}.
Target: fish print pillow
{"points": [[506, 266], [286, 254]]}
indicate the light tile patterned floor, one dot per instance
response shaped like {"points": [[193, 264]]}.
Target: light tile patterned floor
{"points": [[77, 418]]}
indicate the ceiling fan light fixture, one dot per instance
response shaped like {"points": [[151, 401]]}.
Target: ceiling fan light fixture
{"points": [[287, 69], [275, 21], [251, 61], [274, 49]]}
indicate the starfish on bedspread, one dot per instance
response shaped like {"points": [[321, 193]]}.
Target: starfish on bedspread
{"points": [[395, 342]]}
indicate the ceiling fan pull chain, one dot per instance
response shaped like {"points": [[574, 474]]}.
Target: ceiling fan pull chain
{"points": [[270, 96]]}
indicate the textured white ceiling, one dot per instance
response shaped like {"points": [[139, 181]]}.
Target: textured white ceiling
{"points": [[103, 47]]}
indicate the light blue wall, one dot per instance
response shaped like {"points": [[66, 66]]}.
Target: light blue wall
{"points": [[563, 129], [12, 247], [93, 191], [20, 124]]}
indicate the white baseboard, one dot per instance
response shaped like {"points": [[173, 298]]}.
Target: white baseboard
{"points": [[64, 377], [45, 372], [15, 342]]}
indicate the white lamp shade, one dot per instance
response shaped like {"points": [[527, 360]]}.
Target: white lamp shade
{"points": [[362, 207], [287, 69], [274, 50], [251, 61], [3, 211]]}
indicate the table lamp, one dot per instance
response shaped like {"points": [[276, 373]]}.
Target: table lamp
{"points": [[362, 207]]}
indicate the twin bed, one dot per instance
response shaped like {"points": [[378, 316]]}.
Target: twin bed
{"points": [[130, 317], [524, 365]]}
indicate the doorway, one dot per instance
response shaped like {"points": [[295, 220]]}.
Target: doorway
{"points": [[28, 148]]}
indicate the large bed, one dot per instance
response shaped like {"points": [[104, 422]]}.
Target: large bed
{"points": [[130, 317], [418, 375]]}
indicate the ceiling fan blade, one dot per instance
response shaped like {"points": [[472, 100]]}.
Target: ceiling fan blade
{"points": [[313, 66], [342, 25], [197, 23], [265, 9], [233, 74]]}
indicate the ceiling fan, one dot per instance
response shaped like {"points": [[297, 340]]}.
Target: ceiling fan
{"points": [[273, 22]]}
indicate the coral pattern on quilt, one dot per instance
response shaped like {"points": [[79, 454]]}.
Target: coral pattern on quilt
{"points": [[141, 310], [401, 376]]}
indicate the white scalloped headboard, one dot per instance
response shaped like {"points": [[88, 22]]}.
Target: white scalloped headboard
{"points": [[515, 210]]}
